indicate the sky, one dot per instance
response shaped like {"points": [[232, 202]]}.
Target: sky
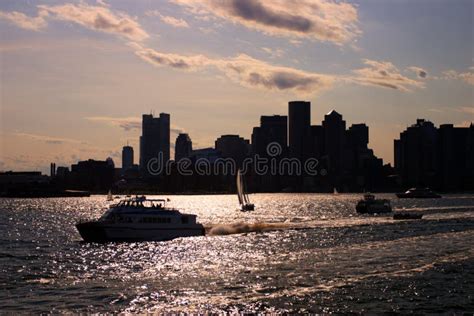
{"points": [[77, 76]]}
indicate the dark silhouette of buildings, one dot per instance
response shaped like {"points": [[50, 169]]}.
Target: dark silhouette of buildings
{"points": [[127, 158], [210, 154], [334, 128], [93, 175], [272, 129], [442, 158], [183, 147], [299, 121], [344, 155], [234, 147], [437, 157], [155, 139]]}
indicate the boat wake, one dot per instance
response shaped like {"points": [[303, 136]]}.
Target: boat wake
{"points": [[239, 228]]}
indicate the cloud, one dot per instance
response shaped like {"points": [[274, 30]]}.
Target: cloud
{"points": [[49, 139], [242, 69], [420, 72], [323, 20], [126, 123], [274, 53], [467, 76], [98, 18], [384, 74], [156, 58], [168, 19], [26, 22], [466, 109]]}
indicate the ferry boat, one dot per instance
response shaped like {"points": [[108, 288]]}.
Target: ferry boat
{"points": [[371, 205], [419, 193], [140, 219]]}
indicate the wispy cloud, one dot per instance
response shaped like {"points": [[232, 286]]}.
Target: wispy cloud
{"points": [[243, 69], [323, 20], [420, 72], [466, 109], [467, 76], [49, 139], [98, 18], [168, 19], [384, 74], [274, 53], [26, 22], [126, 123]]}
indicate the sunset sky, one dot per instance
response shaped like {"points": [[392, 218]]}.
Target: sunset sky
{"points": [[76, 76]]}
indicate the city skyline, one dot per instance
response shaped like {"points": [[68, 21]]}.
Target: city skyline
{"points": [[89, 68]]}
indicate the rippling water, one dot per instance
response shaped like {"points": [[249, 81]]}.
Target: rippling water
{"points": [[296, 252]]}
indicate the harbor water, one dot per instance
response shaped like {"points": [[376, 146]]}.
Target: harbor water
{"points": [[294, 253]]}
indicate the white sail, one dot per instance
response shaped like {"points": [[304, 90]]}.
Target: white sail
{"points": [[239, 188], [245, 195], [109, 196]]}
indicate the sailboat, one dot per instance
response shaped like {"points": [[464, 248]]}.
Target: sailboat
{"points": [[244, 201], [109, 196]]}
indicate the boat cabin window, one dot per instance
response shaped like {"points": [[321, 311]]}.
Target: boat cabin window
{"points": [[154, 220], [184, 219]]}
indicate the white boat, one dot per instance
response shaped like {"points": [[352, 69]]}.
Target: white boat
{"points": [[243, 197], [140, 219]]}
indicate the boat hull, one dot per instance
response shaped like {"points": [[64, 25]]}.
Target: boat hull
{"points": [[364, 207], [402, 216], [417, 196], [107, 232], [247, 207]]}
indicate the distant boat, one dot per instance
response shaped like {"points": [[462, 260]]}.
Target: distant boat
{"points": [[371, 205], [243, 197], [109, 196], [335, 191], [419, 193]]}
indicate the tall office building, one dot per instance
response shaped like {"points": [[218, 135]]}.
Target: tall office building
{"points": [[334, 131], [416, 154], [234, 147], [127, 158], [272, 129], [155, 139], [299, 121], [183, 147]]}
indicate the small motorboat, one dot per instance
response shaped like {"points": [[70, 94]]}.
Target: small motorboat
{"points": [[243, 197], [418, 193], [406, 215], [140, 219], [371, 205]]}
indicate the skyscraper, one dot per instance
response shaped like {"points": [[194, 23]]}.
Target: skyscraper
{"points": [[155, 139], [416, 154], [272, 129], [299, 121], [183, 147], [334, 131], [127, 158], [234, 147]]}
